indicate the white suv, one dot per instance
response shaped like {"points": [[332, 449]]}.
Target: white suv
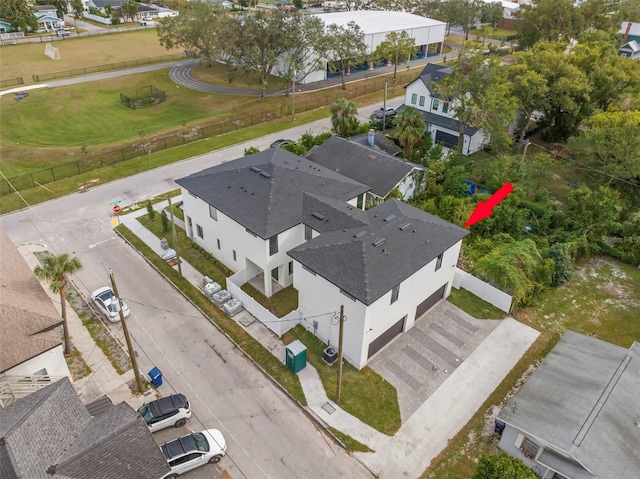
{"points": [[193, 450], [164, 412]]}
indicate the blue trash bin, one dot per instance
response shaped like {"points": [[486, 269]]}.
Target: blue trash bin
{"points": [[156, 377]]}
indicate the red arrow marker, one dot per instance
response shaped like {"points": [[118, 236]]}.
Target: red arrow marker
{"points": [[484, 208]]}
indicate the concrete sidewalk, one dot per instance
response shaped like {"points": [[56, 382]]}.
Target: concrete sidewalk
{"points": [[426, 433]]}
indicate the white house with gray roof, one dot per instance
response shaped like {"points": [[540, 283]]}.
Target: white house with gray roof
{"points": [[304, 224], [438, 113], [384, 173], [578, 415]]}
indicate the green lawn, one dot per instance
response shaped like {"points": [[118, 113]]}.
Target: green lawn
{"points": [[280, 304], [476, 307], [365, 394]]}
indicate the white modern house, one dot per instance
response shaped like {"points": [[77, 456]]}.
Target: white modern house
{"points": [[31, 351], [376, 25], [384, 173], [578, 414], [287, 220], [438, 112]]}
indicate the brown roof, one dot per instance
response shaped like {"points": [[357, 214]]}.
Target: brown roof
{"points": [[27, 316]]}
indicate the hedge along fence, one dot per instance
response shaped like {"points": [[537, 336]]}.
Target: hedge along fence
{"points": [[67, 170], [108, 67]]}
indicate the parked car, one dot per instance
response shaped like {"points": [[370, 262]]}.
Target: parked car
{"points": [[167, 411], [105, 301], [381, 113], [63, 33], [193, 450], [282, 142]]}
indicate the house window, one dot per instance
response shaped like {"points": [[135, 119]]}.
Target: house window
{"points": [[199, 231], [421, 100], [308, 232], [235, 258], [529, 448], [218, 241], [414, 98], [290, 268], [394, 294], [445, 107], [213, 213], [360, 202], [436, 104], [274, 273], [439, 261], [273, 245]]}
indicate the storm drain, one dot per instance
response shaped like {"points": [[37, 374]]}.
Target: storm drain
{"points": [[329, 408]]}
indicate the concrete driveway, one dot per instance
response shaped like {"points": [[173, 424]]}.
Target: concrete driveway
{"points": [[420, 360]]}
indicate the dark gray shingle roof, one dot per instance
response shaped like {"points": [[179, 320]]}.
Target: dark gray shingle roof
{"points": [[443, 121], [270, 202], [376, 169], [114, 445], [348, 259], [326, 214], [381, 143], [583, 400], [38, 428]]}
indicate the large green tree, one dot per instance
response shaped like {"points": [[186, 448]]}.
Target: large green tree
{"points": [[308, 45], [257, 45], [531, 92], [344, 117], [501, 466], [55, 270], [610, 143], [491, 13], [410, 129], [593, 213], [19, 14], [129, 10], [480, 97], [396, 47], [548, 20], [345, 48], [197, 29]]}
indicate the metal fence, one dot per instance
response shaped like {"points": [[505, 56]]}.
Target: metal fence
{"points": [[11, 82], [5, 41], [108, 67], [75, 168]]}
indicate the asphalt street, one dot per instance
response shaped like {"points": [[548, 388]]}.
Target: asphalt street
{"points": [[268, 435]]}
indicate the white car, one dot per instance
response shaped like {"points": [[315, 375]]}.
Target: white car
{"points": [[167, 411], [193, 450], [105, 301]]}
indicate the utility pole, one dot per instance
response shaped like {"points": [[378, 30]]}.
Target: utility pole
{"points": [[339, 386], [384, 107], [293, 102], [175, 239], [524, 154], [132, 355]]}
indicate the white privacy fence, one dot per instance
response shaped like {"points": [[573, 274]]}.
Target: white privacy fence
{"points": [[491, 294], [275, 324]]}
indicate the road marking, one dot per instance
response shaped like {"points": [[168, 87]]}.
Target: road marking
{"points": [[91, 246]]}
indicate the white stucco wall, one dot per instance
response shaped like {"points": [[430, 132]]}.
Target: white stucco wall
{"points": [[317, 296], [52, 360]]}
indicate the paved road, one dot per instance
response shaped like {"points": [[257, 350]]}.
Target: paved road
{"points": [[267, 434]]}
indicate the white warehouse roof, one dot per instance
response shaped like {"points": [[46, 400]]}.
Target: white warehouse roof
{"points": [[374, 21]]}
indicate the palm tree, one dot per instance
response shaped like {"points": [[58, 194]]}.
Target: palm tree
{"points": [[410, 129], [54, 270], [344, 117]]}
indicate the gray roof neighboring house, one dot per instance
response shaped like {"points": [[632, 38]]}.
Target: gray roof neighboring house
{"points": [[28, 319], [378, 170], [50, 434], [583, 400], [368, 261], [442, 121], [381, 143], [326, 214], [264, 192]]}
